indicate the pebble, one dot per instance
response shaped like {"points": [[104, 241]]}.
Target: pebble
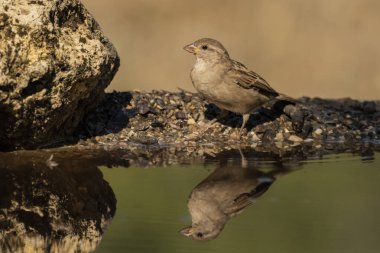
{"points": [[180, 115], [143, 107], [369, 106], [279, 137], [191, 121], [295, 138]]}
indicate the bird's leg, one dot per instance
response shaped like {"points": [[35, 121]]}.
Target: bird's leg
{"points": [[244, 163], [245, 119]]}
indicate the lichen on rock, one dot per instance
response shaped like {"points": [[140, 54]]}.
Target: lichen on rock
{"points": [[54, 66]]}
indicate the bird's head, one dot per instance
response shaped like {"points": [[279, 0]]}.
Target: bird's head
{"points": [[203, 232], [206, 48]]}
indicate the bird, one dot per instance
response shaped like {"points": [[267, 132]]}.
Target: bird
{"points": [[225, 193], [227, 83]]}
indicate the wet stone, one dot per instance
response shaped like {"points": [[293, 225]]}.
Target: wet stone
{"points": [[146, 140]]}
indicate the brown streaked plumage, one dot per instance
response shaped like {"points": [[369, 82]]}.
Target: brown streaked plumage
{"points": [[228, 83]]}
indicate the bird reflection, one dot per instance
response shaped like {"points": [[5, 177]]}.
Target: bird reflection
{"points": [[225, 193]]}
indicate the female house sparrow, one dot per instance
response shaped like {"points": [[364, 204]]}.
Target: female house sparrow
{"points": [[228, 83], [225, 193]]}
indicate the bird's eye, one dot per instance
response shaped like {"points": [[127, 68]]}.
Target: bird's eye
{"points": [[199, 235], [204, 47]]}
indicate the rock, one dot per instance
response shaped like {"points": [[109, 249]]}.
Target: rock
{"points": [[295, 138], [180, 115], [318, 131], [142, 107], [369, 107], [69, 209], [191, 121], [255, 138], [54, 65], [279, 137]]}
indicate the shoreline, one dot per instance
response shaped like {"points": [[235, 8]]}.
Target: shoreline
{"points": [[181, 118], [163, 119]]}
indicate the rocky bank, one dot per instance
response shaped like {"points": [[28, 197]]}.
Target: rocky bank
{"points": [[55, 63], [128, 120]]}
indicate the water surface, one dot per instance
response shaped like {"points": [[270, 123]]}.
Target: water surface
{"points": [[325, 204]]}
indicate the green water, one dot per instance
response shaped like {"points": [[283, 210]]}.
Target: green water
{"points": [[70, 202], [329, 205]]}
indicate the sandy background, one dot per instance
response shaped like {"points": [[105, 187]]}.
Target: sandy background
{"points": [[315, 48]]}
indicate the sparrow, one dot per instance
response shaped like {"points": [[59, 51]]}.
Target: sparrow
{"points": [[228, 83], [225, 193]]}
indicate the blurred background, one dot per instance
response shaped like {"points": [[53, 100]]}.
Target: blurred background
{"points": [[302, 48]]}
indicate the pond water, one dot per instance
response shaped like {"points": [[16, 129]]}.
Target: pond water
{"points": [[239, 202]]}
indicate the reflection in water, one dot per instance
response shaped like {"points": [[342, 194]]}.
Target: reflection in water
{"points": [[226, 192], [52, 204], [61, 203]]}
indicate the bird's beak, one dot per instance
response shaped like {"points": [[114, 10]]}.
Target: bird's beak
{"points": [[191, 49], [187, 231]]}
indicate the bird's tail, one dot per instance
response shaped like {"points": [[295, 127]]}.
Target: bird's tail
{"points": [[295, 110], [286, 99], [281, 101]]}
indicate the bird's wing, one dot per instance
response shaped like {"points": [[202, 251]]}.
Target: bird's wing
{"points": [[247, 198], [247, 79], [238, 205]]}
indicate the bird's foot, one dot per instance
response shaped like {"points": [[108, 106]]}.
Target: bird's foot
{"points": [[204, 126], [242, 132]]}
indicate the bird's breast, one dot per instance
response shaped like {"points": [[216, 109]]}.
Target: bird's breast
{"points": [[204, 73], [206, 77]]}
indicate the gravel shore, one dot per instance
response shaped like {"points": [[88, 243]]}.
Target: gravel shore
{"points": [[161, 119], [162, 128]]}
